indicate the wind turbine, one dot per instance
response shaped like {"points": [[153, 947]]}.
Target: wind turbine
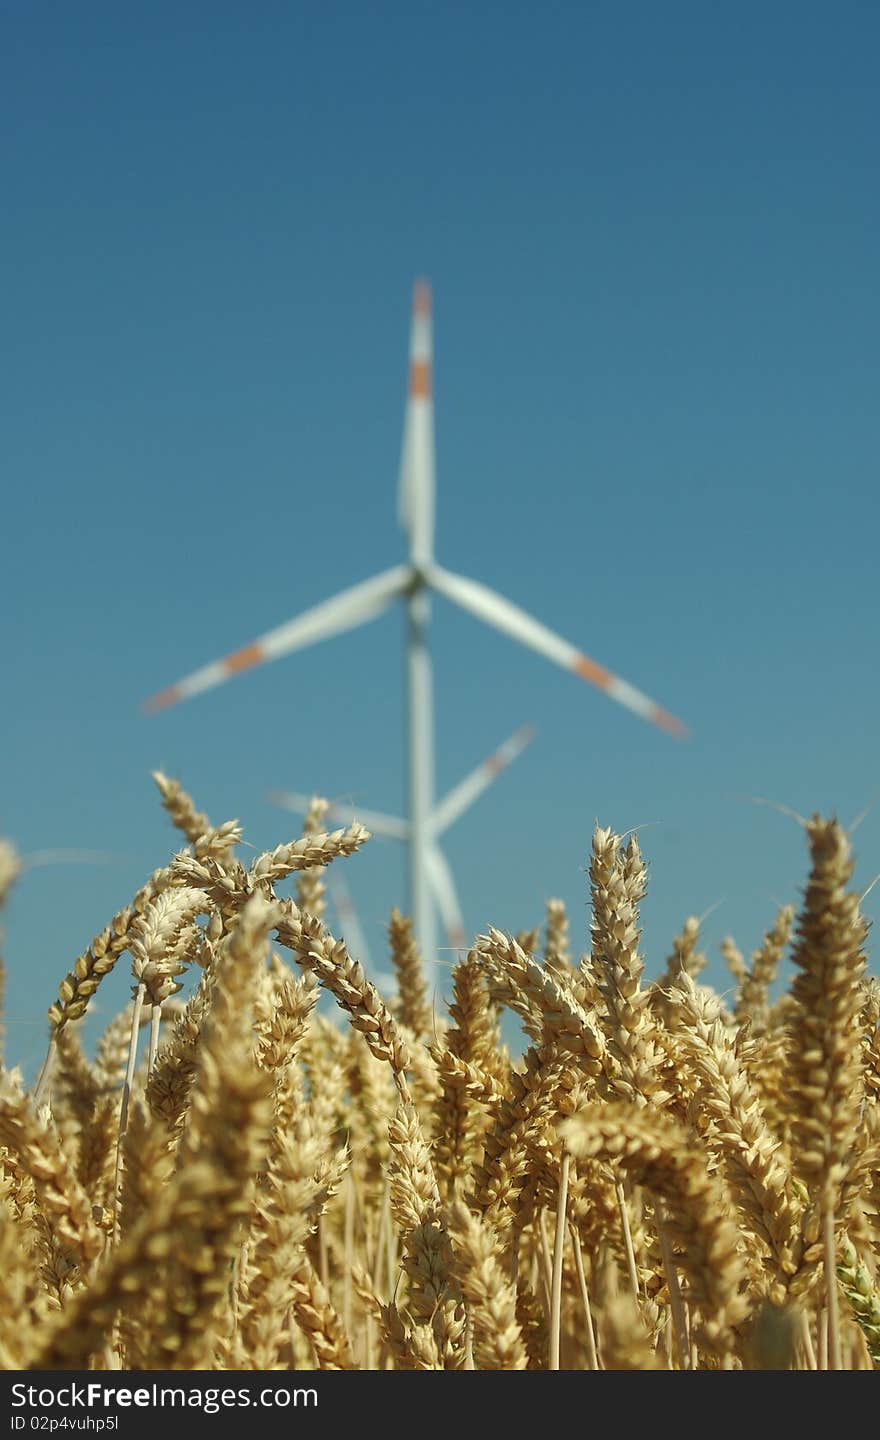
{"points": [[453, 805], [412, 584]]}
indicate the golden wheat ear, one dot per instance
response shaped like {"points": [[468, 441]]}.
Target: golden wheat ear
{"points": [[653, 1178]]}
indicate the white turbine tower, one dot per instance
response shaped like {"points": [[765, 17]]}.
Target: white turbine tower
{"points": [[412, 583]]}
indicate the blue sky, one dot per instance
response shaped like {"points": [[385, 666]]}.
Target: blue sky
{"points": [[652, 233]]}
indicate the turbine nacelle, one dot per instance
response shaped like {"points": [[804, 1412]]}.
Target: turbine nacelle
{"points": [[439, 874]]}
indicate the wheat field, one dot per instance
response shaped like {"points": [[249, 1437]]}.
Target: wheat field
{"points": [[665, 1178]]}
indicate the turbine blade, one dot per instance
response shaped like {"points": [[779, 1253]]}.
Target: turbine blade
{"points": [[37, 858], [466, 792], [416, 488], [349, 923], [446, 897], [388, 825], [343, 612], [298, 802], [494, 610]]}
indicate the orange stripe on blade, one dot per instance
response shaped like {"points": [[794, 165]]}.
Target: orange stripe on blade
{"points": [[494, 765], [422, 298], [669, 723], [163, 700], [589, 670], [243, 659], [420, 379]]}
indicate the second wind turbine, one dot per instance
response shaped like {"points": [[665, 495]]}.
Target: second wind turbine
{"points": [[411, 583]]}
